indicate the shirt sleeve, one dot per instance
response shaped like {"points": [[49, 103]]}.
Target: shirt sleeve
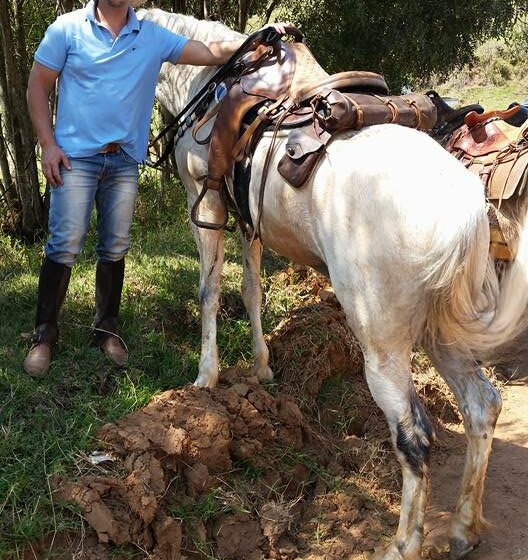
{"points": [[172, 45], [53, 49]]}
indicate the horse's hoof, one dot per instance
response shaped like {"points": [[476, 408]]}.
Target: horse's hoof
{"points": [[459, 548], [206, 381], [264, 374]]}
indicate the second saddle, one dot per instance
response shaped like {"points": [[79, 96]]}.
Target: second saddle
{"points": [[498, 153]]}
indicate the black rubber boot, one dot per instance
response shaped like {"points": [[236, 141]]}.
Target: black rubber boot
{"points": [[108, 287], [53, 284]]}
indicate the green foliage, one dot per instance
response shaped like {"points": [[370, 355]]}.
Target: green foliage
{"points": [[405, 41], [497, 74]]}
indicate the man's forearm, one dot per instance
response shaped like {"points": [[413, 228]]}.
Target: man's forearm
{"points": [[222, 50], [39, 111], [208, 54]]}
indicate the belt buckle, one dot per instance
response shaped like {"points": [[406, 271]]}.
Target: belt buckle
{"points": [[111, 148]]}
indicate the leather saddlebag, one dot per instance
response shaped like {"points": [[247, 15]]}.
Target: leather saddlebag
{"points": [[335, 112]]}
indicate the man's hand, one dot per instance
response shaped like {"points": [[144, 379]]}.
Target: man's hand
{"points": [[280, 27], [52, 157]]}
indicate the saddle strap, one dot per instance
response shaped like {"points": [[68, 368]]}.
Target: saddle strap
{"points": [[263, 116]]}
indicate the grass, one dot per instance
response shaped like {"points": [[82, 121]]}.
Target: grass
{"points": [[45, 423], [496, 77], [205, 508], [490, 97]]}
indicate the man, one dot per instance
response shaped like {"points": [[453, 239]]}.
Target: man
{"points": [[107, 63]]}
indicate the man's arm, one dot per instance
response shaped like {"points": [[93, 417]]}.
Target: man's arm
{"points": [[216, 53], [210, 54], [41, 82]]}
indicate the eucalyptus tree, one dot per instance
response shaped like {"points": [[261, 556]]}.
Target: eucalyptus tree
{"points": [[22, 200]]}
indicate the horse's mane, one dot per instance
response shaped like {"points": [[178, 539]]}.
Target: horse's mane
{"points": [[188, 26], [177, 84]]}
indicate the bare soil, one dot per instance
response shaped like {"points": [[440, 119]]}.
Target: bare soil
{"points": [[302, 469], [506, 493]]}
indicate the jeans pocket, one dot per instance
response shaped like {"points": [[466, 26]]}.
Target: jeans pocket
{"points": [[127, 158]]}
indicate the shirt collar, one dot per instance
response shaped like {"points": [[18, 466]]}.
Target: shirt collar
{"points": [[132, 20]]}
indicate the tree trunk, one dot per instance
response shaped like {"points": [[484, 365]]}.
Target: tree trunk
{"points": [[269, 10], [244, 11], [179, 6], [64, 6], [6, 184], [19, 135]]}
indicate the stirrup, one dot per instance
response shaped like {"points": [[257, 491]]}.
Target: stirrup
{"points": [[194, 212]]}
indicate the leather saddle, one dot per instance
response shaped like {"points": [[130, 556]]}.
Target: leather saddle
{"points": [[283, 80], [448, 119], [494, 150], [283, 86]]}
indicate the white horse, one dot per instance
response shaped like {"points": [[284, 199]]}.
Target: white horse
{"points": [[401, 229]]}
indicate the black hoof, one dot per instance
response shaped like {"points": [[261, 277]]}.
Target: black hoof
{"points": [[460, 549]]}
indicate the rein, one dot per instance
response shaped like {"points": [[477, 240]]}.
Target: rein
{"points": [[198, 105]]}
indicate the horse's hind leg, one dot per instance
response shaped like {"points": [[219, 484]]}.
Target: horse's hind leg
{"points": [[252, 296], [389, 378], [480, 404], [211, 248]]}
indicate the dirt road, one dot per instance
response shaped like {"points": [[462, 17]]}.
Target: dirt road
{"points": [[506, 496]]}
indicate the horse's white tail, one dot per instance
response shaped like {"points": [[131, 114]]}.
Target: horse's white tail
{"points": [[470, 308]]}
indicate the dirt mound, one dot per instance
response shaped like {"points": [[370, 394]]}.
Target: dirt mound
{"points": [[234, 472], [174, 450], [245, 473], [313, 346]]}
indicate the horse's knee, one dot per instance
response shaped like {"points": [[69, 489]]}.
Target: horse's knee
{"points": [[414, 437], [481, 406], [209, 299]]}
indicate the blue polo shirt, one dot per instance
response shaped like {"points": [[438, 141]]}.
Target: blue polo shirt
{"points": [[106, 85]]}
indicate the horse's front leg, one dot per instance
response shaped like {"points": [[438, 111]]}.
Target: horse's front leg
{"points": [[252, 296], [480, 404], [211, 248]]}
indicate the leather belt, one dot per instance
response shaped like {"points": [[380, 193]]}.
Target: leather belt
{"points": [[111, 148]]}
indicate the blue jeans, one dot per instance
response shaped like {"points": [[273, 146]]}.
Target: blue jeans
{"points": [[110, 182]]}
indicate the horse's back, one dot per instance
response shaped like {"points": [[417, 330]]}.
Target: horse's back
{"points": [[386, 188]]}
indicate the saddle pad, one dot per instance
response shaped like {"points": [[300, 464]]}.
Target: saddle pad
{"points": [[508, 176]]}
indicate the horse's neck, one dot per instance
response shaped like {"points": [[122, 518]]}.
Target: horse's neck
{"points": [[179, 83]]}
